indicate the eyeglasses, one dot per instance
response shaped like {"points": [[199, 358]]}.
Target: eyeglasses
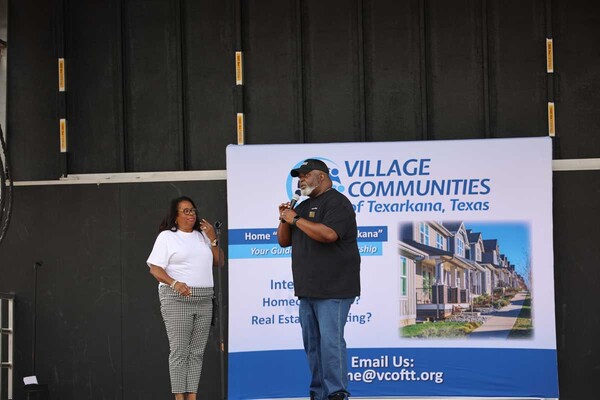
{"points": [[188, 211]]}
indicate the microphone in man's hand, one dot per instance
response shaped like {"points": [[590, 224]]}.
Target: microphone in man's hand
{"points": [[295, 199]]}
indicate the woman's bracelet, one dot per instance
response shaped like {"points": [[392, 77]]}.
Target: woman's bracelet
{"points": [[175, 281]]}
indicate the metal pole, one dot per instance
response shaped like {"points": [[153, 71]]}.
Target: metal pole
{"points": [[36, 265], [220, 308]]}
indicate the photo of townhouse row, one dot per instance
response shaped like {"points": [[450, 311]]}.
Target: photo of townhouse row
{"points": [[459, 269]]}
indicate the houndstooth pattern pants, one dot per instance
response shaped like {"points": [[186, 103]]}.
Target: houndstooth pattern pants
{"points": [[187, 320]]}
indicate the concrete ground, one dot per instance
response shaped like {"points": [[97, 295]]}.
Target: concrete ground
{"points": [[499, 323]]}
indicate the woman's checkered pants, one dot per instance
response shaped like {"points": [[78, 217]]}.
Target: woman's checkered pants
{"points": [[187, 320]]}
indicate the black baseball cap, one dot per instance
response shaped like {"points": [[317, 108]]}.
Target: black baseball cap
{"points": [[308, 165]]}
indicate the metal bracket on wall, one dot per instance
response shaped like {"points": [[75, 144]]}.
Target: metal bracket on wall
{"points": [[585, 164], [239, 89], [132, 177], [550, 70], [581, 164]]}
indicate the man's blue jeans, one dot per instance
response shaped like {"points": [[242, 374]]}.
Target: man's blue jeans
{"points": [[323, 322]]}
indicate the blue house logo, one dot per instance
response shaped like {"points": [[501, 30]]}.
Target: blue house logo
{"points": [[334, 173]]}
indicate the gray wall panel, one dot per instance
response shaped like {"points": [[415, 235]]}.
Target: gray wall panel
{"points": [[209, 71], [455, 79], [393, 70], [517, 67], [153, 85], [145, 344], [31, 119], [145, 341], [576, 233], [273, 73], [331, 90], [73, 231], [95, 86], [577, 61], [99, 329]]}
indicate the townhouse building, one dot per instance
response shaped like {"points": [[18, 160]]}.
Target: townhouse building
{"points": [[443, 266]]}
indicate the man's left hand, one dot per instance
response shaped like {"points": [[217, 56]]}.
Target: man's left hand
{"points": [[288, 215]]}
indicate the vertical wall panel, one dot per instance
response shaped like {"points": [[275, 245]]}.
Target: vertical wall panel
{"points": [[17, 257], [73, 231], [153, 84], [272, 71], [576, 233], [455, 81], [392, 69], [32, 124], [332, 92], [209, 70], [145, 343], [3, 37], [94, 86], [99, 329], [577, 61], [517, 60], [79, 335], [340, 71]]}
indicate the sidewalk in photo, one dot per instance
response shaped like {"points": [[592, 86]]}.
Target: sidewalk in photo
{"points": [[499, 323]]}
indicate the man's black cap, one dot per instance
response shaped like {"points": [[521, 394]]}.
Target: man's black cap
{"points": [[310, 165]]}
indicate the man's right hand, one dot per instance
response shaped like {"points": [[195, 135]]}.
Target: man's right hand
{"points": [[282, 208], [283, 229]]}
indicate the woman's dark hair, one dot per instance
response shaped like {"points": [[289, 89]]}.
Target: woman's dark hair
{"points": [[168, 223]]}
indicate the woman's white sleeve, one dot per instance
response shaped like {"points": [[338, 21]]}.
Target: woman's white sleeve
{"points": [[160, 252]]}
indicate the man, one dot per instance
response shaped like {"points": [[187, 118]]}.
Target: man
{"points": [[326, 270]]}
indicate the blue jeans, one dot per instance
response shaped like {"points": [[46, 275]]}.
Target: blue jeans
{"points": [[323, 322]]}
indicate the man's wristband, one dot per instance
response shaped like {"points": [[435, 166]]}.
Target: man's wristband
{"points": [[175, 281], [295, 220]]}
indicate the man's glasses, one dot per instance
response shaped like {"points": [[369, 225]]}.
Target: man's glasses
{"points": [[188, 211]]}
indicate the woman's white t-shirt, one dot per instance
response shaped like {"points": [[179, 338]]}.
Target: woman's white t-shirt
{"points": [[185, 256]]}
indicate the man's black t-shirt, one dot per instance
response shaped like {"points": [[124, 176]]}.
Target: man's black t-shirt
{"points": [[327, 270]]}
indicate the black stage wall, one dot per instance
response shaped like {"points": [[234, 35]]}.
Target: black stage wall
{"points": [[151, 84], [99, 331], [151, 87]]}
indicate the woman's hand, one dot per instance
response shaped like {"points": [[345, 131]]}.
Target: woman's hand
{"points": [[208, 229], [183, 289]]}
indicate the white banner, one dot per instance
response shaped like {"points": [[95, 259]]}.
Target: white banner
{"points": [[442, 225]]}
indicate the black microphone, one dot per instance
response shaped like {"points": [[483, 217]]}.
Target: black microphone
{"points": [[217, 226], [295, 199]]}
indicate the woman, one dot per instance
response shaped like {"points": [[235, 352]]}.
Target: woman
{"points": [[181, 260]]}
